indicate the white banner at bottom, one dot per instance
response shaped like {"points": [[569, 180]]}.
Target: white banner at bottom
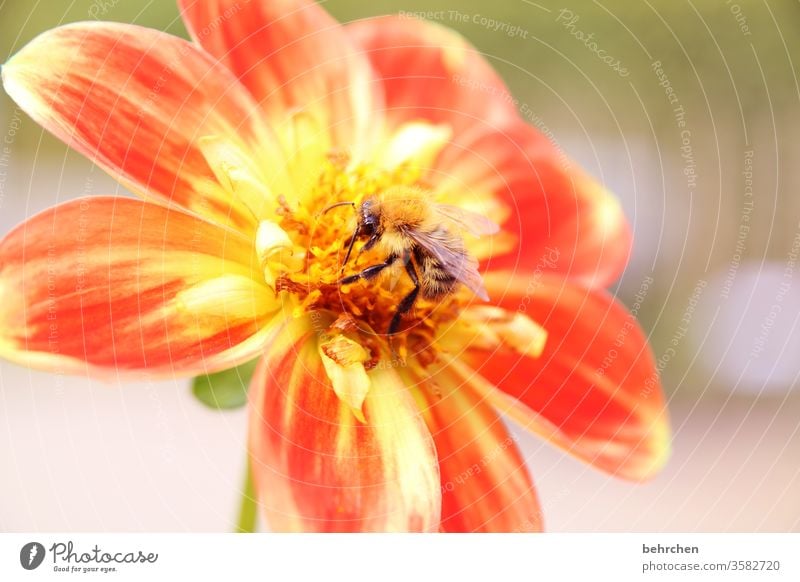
{"points": [[401, 557]]}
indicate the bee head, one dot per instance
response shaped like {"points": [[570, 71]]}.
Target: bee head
{"points": [[369, 218]]}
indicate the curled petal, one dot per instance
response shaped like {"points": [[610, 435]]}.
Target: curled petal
{"points": [[492, 328], [344, 360], [276, 252], [593, 390], [135, 101], [292, 56], [107, 284], [316, 466], [485, 485]]}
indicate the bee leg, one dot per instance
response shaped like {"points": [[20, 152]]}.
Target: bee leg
{"points": [[408, 301], [350, 247], [373, 240], [369, 272]]}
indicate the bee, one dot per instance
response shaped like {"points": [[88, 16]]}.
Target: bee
{"points": [[422, 235]]}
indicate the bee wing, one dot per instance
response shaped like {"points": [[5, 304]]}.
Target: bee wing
{"points": [[472, 222], [453, 259]]}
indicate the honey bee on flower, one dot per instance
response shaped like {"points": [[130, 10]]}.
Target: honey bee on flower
{"points": [[412, 231], [237, 143]]}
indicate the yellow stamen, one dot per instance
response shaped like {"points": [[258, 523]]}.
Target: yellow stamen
{"points": [[322, 240]]}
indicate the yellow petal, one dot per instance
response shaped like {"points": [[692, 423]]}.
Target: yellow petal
{"points": [[239, 175], [416, 143], [307, 143], [343, 360], [233, 297], [276, 251], [489, 327]]}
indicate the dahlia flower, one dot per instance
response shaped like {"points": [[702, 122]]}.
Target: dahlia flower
{"points": [[235, 143]]}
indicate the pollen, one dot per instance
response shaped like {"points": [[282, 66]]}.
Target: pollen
{"points": [[367, 306]]}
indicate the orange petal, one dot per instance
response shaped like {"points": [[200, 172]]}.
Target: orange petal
{"points": [[110, 284], [431, 73], [594, 389], [292, 56], [319, 468], [135, 101], [565, 222], [485, 486]]}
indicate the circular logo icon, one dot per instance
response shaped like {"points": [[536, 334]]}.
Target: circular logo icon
{"points": [[31, 555]]}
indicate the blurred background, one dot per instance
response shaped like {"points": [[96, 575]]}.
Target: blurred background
{"points": [[691, 124]]}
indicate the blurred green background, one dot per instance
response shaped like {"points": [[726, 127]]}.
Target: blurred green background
{"points": [[706, 285]]}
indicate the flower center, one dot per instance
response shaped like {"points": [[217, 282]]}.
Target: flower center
{"points": [[365, 307]]}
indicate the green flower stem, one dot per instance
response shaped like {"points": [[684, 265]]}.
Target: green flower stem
{"points": [[248, 509]]}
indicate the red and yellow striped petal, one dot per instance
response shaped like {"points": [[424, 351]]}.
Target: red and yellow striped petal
{"points": [[593, 390], [565, 222], [106, 285], [432, 73], [485, 485], [135, 101], [317, 467], [295, 59]]}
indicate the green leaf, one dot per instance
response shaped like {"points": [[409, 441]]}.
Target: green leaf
{"points": [[224, 390]]}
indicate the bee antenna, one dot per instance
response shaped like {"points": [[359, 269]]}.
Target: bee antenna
{"points": [[332, 206]]}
